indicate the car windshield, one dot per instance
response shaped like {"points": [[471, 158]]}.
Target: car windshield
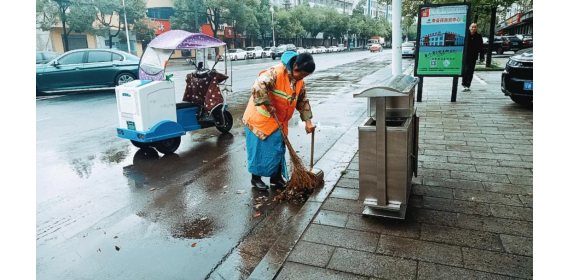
{"points": [[281, 48], [232, 51], [267, 49], [407, 45], [249, 49]]}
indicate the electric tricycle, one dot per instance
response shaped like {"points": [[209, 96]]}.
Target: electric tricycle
{"points": [[149, 115]]}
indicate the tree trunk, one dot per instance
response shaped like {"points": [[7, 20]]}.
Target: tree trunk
{"points": [[65, 41], [110, 39], [491, 36]]}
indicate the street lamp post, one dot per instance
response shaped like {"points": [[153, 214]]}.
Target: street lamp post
{"points": [[126, 28], [272, 24]]}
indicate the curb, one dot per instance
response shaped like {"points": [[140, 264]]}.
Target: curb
{"points": [[272, 262]]}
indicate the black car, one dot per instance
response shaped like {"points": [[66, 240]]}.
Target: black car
{"points": [[45, 57], [503, 44], [278, 52], [516, 81]]}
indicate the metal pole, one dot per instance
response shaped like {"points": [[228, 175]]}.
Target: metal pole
{"points": [[396, 37], [126, 28], [454, 89], [272, 25], [196, 19]]}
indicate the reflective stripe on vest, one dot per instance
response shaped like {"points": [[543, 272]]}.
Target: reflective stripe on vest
{"points": [[283, 99]]}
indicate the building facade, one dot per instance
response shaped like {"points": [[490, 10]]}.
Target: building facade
{"points": [[517, 20]]}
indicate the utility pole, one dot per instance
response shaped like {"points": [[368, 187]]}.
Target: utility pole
{"points": [[396, 37], [196, 17], [126, 28]]}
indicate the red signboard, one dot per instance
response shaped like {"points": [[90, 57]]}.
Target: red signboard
{"points": [[162, 26], [514, 19], [229, 34], [207, 29]]}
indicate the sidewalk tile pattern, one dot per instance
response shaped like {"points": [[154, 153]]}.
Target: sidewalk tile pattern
{"points": [[470, 212]]}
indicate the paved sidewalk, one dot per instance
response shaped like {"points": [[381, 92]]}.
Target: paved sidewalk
{"points": [[470, 213]]}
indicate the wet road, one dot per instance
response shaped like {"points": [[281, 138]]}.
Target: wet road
{"points": [[106, 210]]}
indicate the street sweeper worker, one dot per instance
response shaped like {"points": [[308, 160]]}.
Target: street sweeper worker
{"points": [[280, 90]]}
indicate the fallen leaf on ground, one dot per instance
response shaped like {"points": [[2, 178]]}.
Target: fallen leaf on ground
{"points": [[193, 245], [204, 218], [473, 198], [116, 237], [258, 205], [240, 192], [224, 187], [343, 172], [152, 189], [256, 215], [117, 248], [99, 250], [529, 194], [204, 161], [226, 192]]}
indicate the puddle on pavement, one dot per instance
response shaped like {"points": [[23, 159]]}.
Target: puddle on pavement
{"points": [[197, 229]]}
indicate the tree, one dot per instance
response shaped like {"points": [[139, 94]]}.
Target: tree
{"points": [[312, 20], [73, 14], [263, 16], [286, 26], [111, 14], [189, 15], [241, 16]]}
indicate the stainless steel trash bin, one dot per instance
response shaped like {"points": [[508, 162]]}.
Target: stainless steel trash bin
{"points": [[388, 146]]}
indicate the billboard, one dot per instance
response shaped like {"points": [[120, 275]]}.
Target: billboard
{"points": [[442, 39]]}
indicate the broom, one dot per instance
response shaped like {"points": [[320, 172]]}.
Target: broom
{"points": [[302, 182]]}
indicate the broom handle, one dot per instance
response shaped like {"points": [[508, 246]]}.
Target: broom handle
{"points": [[312, 147]]}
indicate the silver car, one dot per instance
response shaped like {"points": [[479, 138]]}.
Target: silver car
{"points": [[408, 49]]}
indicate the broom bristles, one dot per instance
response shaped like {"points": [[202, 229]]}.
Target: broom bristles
{"points": [[302, 181]]}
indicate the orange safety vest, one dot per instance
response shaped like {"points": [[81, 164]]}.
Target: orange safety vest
{"points": [[283, 99]]}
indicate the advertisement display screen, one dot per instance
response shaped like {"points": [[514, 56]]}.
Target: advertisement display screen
{"points": [[442, 32]]}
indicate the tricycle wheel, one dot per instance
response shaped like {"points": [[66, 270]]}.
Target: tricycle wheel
{"points": [[228, 123], [168, 146], [140, 145]]}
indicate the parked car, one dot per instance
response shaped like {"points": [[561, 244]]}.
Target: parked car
{"points": [[312, 50], [278, 52], [341, 48], [46, 56], [254, 52], [334, 49], [235, 54], [375, 48], [267, 52], [516, 80], [408, 49], [301, 50], [291, 47], [321, 49], [503, 44], [527, 42], [86, 69]]}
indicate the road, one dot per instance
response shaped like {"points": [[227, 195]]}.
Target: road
{"points": [[106, 210]]}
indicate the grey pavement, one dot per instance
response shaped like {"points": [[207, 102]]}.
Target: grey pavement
{"points": [[470, 213]]}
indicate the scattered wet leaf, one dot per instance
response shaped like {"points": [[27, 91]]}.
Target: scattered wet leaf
{"points": [[343, 172], [240, 191], [204, 161], [104, 232], [530, 194], [99, 250], [116, 237], [473, 198], [152, 189], [117, 248], [258, 205], [256, 215], [203, 219], [224, 187], [226, 191], [193, 245]]}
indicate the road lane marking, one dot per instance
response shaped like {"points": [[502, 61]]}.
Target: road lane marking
{"points": [[478, 79], [42, 119]]}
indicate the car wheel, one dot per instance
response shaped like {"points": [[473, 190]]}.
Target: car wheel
{"points": [[168, 146], [500, 50], [124, 78], [526, 101], [273, 57]]}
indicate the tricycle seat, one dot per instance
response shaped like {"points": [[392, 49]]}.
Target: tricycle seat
{"points": [[183, 105]]}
